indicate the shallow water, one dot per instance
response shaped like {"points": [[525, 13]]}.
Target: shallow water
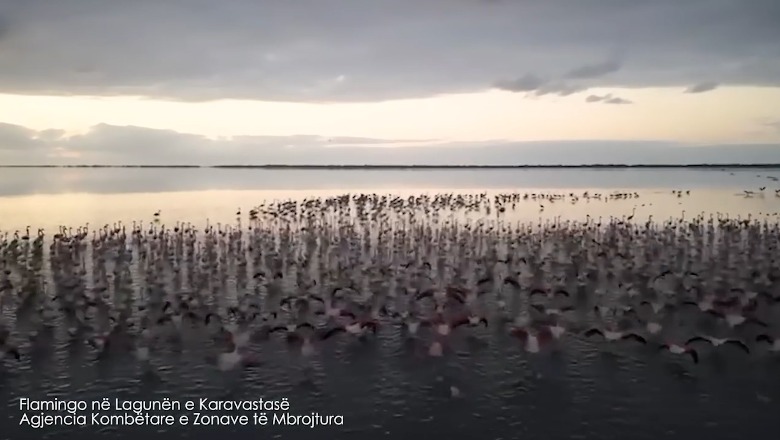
{"points": [[49, 198], [381, 388], [24, 181]]}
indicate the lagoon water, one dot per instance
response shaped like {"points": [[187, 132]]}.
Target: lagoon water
{"points": [[74, 196], [579, 393]]}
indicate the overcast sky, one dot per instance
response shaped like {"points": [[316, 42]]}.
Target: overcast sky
{"points": [[329, 81]]}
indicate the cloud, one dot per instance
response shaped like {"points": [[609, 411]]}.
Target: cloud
{"points": [[353, 50], [607, 99], [15, 137], [538, 86], [617, 100], [702, 87], [772, 124], [559, 88], [594, 70], [526, 83], [117, 145]]}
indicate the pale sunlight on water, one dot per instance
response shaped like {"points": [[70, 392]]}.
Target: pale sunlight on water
{"points": [[219, 206], [22, 181], [49, 198]]}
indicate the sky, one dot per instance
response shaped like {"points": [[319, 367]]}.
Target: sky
{"points": [[389, 81]]}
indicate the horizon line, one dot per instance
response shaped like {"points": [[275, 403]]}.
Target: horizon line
{"points": [[400, 166]]}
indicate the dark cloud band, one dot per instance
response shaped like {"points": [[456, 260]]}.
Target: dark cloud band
{"points": [[357, 50]]}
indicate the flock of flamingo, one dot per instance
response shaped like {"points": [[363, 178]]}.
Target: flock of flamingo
{"points": [[305, 273]]}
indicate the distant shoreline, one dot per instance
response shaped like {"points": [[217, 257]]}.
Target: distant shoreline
{"points": [[420, 167]]}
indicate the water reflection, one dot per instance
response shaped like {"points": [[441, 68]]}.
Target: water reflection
{"points": [[72, 209], [17, 181]]}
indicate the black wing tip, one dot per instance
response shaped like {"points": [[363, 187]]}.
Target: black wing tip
{"points": [[421, 295], [327, 334], [458, 298], [742, 346], [593, 331], [636, 337], [347, 314], [697, 339], [304, 325], [15, 353]]}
